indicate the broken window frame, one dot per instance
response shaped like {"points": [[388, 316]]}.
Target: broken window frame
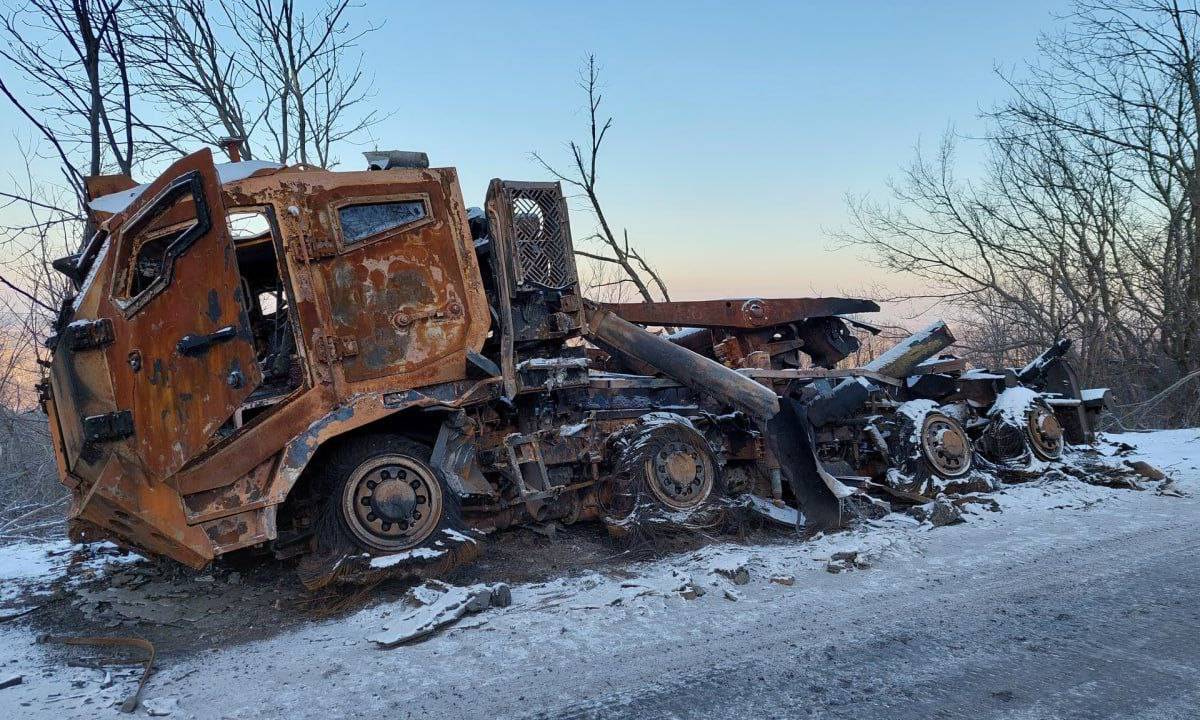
{"points": [[190, 183], [346, 246]]}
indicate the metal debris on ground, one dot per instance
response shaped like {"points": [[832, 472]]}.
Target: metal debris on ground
{"points": [[131, 703], [441, 605]]}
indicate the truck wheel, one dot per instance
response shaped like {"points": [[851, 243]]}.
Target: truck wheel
{"points": [[1021, 428], [930, 452], [664, 467], [1044, 431], [383, 498]]}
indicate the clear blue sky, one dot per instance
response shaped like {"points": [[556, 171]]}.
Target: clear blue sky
{"points": [[739, 127]]}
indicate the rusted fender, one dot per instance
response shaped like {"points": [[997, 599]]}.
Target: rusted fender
{"points": [[360, 410]]}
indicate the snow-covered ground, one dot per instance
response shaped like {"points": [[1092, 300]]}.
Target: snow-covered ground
{"points": [[588, 641]]}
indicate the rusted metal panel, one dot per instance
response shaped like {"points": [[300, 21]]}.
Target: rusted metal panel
{"points": [[742, 313], [178, 399], [247, 492], [241, 453], [245, 529], [146, 515], [408, 295]]}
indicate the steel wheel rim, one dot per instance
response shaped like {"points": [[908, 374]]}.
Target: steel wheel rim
{"points": [[392, 502], [945, 445], [680, 476], [1045, 433]]}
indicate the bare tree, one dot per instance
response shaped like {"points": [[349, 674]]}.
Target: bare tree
{"points": [[584, 156], [260, 70], [70, 53], [1086, 221], [289, 84]]}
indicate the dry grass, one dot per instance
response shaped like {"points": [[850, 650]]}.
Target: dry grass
{"points": [[32, 502]]}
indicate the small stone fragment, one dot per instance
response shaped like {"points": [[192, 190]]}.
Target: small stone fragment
{"points": [[8, 681], [945, 513], [733, 569], [731, 595], [939, 512], [787, 580], [501, 595]]}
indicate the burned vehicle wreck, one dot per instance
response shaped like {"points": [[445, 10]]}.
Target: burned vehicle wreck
{"points": [[356, 368]]}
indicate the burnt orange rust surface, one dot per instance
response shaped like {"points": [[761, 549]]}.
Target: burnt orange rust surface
{"points": [[390, 313], [176, 402], [407, 305], [179, 401]]}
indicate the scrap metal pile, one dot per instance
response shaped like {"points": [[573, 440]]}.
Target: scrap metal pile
{"points": [[354, 368]]}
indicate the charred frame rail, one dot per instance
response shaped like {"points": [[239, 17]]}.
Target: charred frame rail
{"points": [[739, 313]]}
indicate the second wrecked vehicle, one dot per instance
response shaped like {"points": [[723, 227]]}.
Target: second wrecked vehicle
{"points": [[354, 367]]}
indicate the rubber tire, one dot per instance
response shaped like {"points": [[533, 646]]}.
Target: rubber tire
{"points": [[1009, 446], [907, 457], [631, 492]]}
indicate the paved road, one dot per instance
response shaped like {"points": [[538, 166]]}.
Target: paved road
{"points": [[1109, 628]]}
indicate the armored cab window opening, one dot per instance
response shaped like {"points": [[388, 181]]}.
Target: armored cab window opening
{"points": [[361, 221], [161, 231]]}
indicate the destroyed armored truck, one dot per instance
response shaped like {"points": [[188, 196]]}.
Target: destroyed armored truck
{"points": [[357, 368]]}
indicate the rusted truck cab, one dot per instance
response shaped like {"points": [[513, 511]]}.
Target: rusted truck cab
{"points": [[231, 318]]}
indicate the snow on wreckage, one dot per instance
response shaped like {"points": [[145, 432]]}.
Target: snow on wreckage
{"points": [[354, 369]]}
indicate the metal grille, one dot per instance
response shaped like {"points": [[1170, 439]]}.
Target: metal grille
{"points": [[542, 252]]}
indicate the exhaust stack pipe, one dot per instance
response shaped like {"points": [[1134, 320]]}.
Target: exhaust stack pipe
{"points": [[390, 159]]}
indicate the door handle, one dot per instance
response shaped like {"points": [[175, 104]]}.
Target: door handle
{"points": [[194, 344]]}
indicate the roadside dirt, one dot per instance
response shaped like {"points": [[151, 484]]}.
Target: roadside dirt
{"points": [[182, 611]]}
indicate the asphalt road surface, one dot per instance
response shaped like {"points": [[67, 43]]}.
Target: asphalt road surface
{"points": [[1105, 628]]}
